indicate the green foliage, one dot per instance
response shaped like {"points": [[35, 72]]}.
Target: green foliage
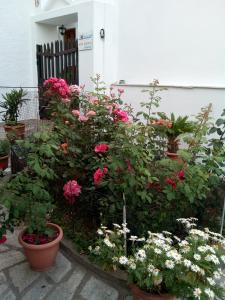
{"points": [[164, 263], [4, 147], [11, 105], [28, 195], [179, 125]]}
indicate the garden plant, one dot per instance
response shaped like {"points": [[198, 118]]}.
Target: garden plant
{"points": [[100, 162]]}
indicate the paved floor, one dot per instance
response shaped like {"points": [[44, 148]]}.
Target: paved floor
{"points": [[67, 280]]}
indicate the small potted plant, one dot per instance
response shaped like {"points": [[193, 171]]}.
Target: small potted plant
{"points": [[4, 154], [11, 106], [172, 128]]}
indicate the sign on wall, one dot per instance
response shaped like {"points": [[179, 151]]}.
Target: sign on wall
{"points": [[85, 41]]}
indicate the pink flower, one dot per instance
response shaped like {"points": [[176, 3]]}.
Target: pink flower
{"points": [[83, 118], [71, 190], [101, 148], [91, 113], [94, 100], [66, 100], [121, 116], [99, 174], [171, 182], [75, 89], [181, 175], [130, 169], [57, 86], [121, 91], [110, 108], [3, 239], [76, 113]]}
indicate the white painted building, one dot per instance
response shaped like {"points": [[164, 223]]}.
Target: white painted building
{"points": [[179, 42]]}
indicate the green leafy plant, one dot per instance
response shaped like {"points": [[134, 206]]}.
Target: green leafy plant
{"points": [[177, 126], [28, 195], [11, 105], [4, 147], [159, 263]]}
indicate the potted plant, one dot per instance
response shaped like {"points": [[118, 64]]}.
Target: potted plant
{"points": [[164, 266], [4, 154], [172, 128], [29, 198], [11, 105]]}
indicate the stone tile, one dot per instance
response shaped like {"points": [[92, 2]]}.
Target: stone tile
{"points": [[12, 238], [22, 276], [3, 248], [96, 289], [10, 258], [65, 290], [38, 291], [60, 269], [3, 283], [9, 296]]}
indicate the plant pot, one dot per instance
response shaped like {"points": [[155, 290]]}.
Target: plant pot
{"points": [[138, 294], [42, 257], [174, 156], [14, 132], [173, 145], [4, 162]]}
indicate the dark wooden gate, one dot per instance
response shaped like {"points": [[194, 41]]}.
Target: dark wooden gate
{"points": [[56, 59]]}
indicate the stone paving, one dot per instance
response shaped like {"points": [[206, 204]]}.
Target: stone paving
{"points": [[66, 280]]}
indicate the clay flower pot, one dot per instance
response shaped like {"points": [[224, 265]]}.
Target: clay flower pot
{"points": [[138, 294], [4, 162], [174, 156], [42, 257], [15, 131]]}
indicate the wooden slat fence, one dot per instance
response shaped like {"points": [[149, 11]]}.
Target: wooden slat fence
{"points": [[56, 59]]}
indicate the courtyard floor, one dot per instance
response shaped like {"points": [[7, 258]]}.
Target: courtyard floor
{"points": [[66, 280]]}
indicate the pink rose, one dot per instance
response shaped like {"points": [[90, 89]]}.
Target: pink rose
{"points": [[121, 116], [71, 190], [94, 100], [75, 89], [99, 174], [101, 148], [110, 108], [65, 100], [121, 91], [76, 113], [83, 118], [91, 113]]}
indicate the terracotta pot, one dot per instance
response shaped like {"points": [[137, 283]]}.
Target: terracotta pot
{"points": [[42, 257], [15, 131], [4, 162], [138, 294], [175, 156]]}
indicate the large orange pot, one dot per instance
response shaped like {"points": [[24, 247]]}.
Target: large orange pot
{"points": [[138, 294], [15, 131], [4, 160], [42, 257]]}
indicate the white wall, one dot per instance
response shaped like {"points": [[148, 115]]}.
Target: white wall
{"points": [[15, 43], [176, 41], [181, 101]]}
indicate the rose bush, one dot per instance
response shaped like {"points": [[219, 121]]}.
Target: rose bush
{"points": [[104, 156]]}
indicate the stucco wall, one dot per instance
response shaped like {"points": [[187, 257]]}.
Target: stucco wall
{"points": [[178, 42], [181, 101], [15, 43]]}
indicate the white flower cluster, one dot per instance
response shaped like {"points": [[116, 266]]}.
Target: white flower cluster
{"points": [[208, 292]]}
